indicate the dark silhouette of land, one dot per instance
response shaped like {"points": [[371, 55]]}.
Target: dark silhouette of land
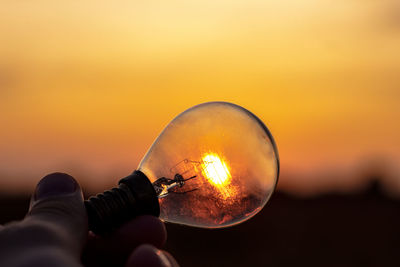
{"points": [[361, 229]]}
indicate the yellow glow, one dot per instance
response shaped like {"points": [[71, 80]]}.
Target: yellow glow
{"points": [[216, 170], [101, 57]]}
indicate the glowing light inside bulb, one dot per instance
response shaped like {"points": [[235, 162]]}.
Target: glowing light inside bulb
{"points": [[216, 170]]}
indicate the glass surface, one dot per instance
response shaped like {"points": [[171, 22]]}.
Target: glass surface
{"points": [[223, 162]]}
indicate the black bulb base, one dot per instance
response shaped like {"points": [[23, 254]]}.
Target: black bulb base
{"points": [[135, 196]]}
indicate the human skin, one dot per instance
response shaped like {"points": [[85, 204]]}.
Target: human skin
{"points": [[55, 233]]}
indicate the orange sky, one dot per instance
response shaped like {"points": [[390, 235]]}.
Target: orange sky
{"points": [[86, 87]]}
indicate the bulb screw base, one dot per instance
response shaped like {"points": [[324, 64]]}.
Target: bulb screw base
{"points": [[135, 196]]}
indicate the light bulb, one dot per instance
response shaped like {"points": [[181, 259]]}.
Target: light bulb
{"points": [[215, 165]]}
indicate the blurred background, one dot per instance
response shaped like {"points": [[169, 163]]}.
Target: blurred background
{"points": [[86, 86]]}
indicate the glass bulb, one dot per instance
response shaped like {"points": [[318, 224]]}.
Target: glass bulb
{"points": [[215, 165]]}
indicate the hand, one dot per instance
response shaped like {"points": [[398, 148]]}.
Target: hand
{"points": [[54, 233]]}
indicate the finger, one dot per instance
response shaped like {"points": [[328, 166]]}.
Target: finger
{"points": [[149, 256], [171, 259], [144, 229], [57, 206], [43, 257], [118, 246]]}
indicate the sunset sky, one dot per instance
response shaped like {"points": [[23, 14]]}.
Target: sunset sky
{"points": [[85, 88]]}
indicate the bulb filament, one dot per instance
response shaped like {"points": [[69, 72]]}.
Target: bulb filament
{"points": [[212, 168], [164, 185]]}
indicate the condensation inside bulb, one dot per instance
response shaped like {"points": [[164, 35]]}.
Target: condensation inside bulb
{"points": [[227, 159]]}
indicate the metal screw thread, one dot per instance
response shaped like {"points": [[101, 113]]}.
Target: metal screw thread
{"points": [[109, 210]]}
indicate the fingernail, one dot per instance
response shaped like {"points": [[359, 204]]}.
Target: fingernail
{"points": [[166, 259], [147, 255], [55, 184]]}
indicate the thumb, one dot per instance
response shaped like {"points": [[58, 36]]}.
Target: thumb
{"points": [[58, 204]]}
